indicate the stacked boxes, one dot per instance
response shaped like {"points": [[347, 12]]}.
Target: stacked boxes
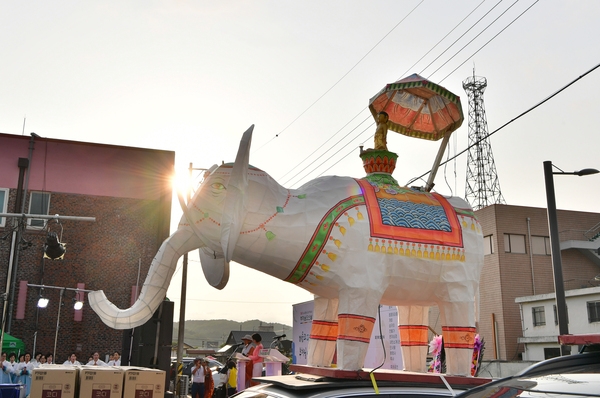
{"points": [[100, 381], [54, 381], [144, 383], [97, 382]]}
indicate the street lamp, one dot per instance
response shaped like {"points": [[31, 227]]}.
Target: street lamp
{"points": [[559, 285]]}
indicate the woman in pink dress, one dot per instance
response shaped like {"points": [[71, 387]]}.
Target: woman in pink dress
{"points": [[257, 360]]}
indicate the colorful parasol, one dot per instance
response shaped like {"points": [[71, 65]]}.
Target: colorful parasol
{"points": [[418, 108]]}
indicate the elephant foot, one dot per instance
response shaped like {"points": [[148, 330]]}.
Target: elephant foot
{"points": [[458, 344], [412, 321], [323, 333], [320, 351], [353, 340]]}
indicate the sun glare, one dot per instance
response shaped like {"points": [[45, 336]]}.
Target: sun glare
{"points": [[181, 183]]}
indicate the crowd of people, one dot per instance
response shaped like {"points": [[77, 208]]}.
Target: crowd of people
{"points": [[19, 372], [203, 386], [202, 380]]}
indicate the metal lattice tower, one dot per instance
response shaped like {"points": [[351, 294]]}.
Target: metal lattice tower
{"points": [[482, 187]]}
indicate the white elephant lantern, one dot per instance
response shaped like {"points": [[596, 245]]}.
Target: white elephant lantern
{"points": [[354, 243]]}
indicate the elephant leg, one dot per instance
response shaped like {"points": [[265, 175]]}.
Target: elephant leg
{"points": [[458, 330], [412, 324], [356, 318], [323, 334]]}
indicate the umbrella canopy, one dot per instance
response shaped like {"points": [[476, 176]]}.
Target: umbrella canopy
{"points": [[12, 344], [418, 108]]}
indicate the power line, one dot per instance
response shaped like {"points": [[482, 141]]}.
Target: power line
{"points": [[476, 36], [512, 120], [323, 162], [315, 151], [339, 130], [344, 75], [463, 35], [330, 149], [488, 42]]}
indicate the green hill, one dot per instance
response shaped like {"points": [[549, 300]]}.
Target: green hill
{"points": [[199, 331]]}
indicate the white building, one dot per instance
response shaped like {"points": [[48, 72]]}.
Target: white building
{"points": [[540, 323]]}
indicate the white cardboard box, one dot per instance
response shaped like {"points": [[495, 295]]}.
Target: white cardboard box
{"points": [[143, 383], [100, 381], [56, 381]]}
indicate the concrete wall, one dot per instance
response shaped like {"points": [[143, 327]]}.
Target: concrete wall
{"points": [[506, 276]]}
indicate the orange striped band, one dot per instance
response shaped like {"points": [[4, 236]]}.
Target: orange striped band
{"points": [[355, 327], [323, 330], [413, 335], [458, 337]]}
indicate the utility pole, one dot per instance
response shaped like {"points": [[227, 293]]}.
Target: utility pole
{"points": [[182, 305]]}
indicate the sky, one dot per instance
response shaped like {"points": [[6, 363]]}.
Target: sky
{"points": [[192, 76]]}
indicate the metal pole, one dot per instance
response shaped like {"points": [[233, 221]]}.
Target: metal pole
{"points": [[62, 292], [15, 263], [181, 329], [559, 285], [436, 162], [48, 217]]}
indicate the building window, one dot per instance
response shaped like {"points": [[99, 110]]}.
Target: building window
{"points": [[514, 243], [540, 245], [593, 308], [3, 205], [551, 353], [39, 203], [539, 316], [488, 245]]}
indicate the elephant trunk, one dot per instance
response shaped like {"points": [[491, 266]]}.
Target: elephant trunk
{"points": [[155, 286]]}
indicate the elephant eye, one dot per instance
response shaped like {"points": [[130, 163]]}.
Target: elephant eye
{"points": [[218, 186]]}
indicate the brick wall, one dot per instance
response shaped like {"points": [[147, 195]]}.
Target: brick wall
{"points": [[104, 255]]}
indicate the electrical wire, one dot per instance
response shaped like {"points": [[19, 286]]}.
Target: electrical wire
{"points": [[488, 42], [344, 75], [461, 36], [447, 34], [511, 121], [330, 149], [316, 150], [326, 159], [339, 130]]}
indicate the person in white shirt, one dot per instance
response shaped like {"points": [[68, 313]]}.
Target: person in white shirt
{"points": [[116, 361], [8, 368], [72, 361], [96, 361], [198, 378], [23, 371]]}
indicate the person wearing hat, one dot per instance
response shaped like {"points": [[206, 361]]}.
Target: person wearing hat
{"points": [[246, 351], [248, 346], [198, 379]]}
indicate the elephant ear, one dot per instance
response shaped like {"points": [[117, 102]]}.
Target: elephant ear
{"points": [[234, 210], [215, 268]]}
